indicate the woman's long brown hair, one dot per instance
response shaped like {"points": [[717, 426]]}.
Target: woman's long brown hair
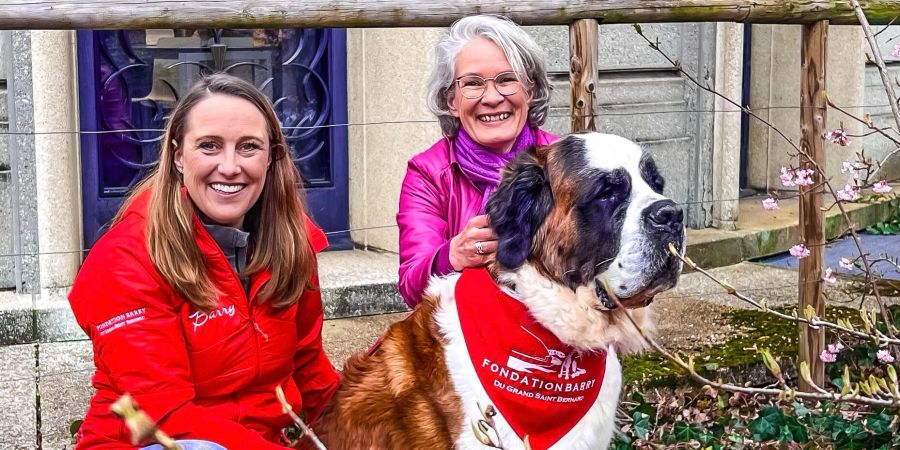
{"points": [[278, 237]]}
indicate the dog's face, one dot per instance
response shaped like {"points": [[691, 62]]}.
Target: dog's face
{"points": [[589, 212]]}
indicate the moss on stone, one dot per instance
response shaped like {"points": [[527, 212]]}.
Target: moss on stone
{"points": [[753, 330]]}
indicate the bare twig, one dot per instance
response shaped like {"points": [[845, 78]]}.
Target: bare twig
{"points": [[879, 61], [304, 429], [140, 425], [867, 123], [677, 65]]}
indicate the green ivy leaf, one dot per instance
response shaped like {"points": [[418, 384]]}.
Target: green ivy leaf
{"points": [[621, 442], [74, 427], [687, 432], [800, 409], [879, 424], [768, 425], [641, 424], [797, 430]]}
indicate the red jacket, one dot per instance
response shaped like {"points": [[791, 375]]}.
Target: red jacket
{"points": [[202, 376]]}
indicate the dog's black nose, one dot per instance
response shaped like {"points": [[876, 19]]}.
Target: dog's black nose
{"points": [[665, 215]]}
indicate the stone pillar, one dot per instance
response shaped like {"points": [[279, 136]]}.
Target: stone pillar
{"points": [[22, 194], [56, 156], [727, 124], [387, 71], [7, 261], [775, 96]]}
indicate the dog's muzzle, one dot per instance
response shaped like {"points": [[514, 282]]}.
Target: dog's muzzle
{"points": [[609, 301]]}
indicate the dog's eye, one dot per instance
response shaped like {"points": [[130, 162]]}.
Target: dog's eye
{"points": [[612, 188]]}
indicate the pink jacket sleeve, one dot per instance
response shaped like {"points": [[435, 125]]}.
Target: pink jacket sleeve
{"points": [[424, 230]]}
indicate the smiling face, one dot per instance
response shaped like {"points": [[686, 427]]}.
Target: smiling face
{"points": [[494, 120], [224, 156]]}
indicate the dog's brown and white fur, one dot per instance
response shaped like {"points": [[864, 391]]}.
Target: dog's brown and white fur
{"points": [[571, 218]]}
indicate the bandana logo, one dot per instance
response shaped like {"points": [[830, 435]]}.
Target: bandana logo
{"points": [[566, 365]]}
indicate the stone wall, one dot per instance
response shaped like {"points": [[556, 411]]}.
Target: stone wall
{"points": [[7, 277]]}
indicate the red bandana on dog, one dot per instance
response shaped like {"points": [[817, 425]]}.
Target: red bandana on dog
{"points": [[541, 386]]}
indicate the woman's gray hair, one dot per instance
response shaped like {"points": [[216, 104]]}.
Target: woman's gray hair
{"points": [[522, 52]]}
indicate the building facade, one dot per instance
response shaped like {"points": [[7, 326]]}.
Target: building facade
{"points": [[80, 114]]}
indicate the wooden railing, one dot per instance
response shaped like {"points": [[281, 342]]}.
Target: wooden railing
{"points": [[71, 14]]}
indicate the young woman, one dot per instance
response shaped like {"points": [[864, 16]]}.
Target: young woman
{"points": [[202, 297]]}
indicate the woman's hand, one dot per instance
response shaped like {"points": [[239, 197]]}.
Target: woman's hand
{"points": [[471, 247]]}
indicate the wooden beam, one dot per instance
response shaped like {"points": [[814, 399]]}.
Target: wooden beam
{"points": [[584, 36], [99, 14], [814, 46]]}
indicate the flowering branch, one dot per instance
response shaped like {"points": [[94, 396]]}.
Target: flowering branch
{"points": [[867, 121], [887, 394], [814, 322], [804, 177]]}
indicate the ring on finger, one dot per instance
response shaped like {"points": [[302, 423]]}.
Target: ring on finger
{"points": [[479, 247]]}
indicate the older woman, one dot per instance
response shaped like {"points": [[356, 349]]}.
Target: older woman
{"points": [[202, 297], [490, 93]]}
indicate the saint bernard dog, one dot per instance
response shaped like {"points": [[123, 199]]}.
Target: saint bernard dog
{"points": [[524, 349]]}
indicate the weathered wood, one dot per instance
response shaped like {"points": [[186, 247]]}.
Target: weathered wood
{"points": [[98, 14], [814, 45], [583, 46]]}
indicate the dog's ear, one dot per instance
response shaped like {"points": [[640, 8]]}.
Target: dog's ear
{"points": [[518, 208]]}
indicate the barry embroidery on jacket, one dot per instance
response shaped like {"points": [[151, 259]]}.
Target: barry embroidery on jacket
{"points": [[199, 318]]}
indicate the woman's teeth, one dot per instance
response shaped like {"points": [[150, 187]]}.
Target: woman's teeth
{"points": [[493, 117], [227, 188]]}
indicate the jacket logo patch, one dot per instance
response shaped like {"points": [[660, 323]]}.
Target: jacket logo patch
{"points": [[121, 320], [200, 318]]}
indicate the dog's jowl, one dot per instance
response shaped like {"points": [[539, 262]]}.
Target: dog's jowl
{"points": [[526, 346]]}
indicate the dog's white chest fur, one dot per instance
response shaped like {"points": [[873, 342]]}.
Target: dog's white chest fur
{"points": [[593, 431]]}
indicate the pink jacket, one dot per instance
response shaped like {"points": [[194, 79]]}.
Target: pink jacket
{"points": [[436, 202]]}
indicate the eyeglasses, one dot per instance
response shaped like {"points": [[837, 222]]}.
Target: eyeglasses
{"points": [[473, 87]]}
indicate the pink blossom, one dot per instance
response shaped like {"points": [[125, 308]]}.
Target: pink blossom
{"points": [[799, 251], [829, 276], [787, 177], [770, 204], [835, 348], [882, 187], [885, 357], [838, 137], [827, 357], [848, 193], [846, 263], [896, 52], [852, 168], [804, 177]]}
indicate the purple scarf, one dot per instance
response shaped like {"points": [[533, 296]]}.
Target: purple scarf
{"points": [[481, 165]]}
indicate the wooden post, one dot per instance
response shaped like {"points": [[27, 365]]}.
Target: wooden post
{"points": [[583, 43], [812, 224]]}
